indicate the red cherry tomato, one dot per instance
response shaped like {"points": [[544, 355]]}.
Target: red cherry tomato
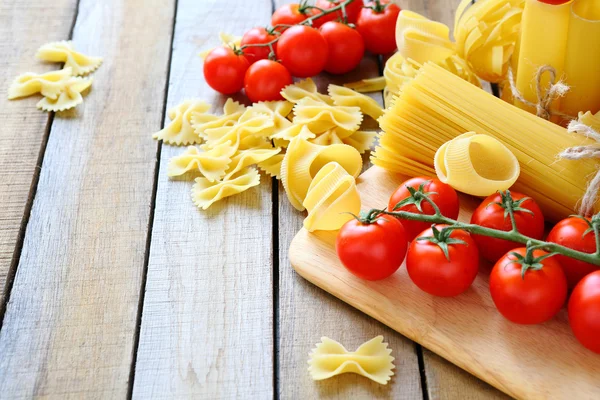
{"points": [[346, 47], [444, 196], [436, 274], [258, 36], [290, 14], [554, 2], [303, 51], [265, 79], [372, 251], [529, 218], [571, 233], [377, 25], [584, 311], [352, 11], [224, 70], [531, 298]]}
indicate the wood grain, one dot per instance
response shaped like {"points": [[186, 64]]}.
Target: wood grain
{"points": [[24, 26], [306, 313], [70, 325], [207, 322], [525, 361]]}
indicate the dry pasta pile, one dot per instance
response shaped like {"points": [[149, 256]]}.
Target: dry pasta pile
{"points": [[62, 89], [311, 141]]}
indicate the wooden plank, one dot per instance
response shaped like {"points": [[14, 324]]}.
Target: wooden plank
{"points": [[306, 313], [24, 26], [70, 325], [207, 325]]}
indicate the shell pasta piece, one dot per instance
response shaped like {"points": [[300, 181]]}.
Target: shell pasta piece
{"points": [[479, 165], [211, 163], [372, 360], [421, 39], [342, 96], [180, 130], [64, 52], [303, 160], [205, 193], [332, 194], [319, 117]]}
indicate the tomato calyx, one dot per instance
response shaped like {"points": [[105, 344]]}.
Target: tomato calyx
{"points": [[378, 7], [442, 239], [304, 8], [510, 205], [528, 261], [416, 197]]}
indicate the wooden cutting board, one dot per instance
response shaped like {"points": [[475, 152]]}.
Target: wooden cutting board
{"points": [[538, 361]]}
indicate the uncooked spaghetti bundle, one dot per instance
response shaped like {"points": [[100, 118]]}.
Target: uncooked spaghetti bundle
{"points": [[437, 106]]}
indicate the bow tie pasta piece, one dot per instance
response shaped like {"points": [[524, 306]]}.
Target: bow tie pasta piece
{"points": [[343, 96], [244, 135], [69, 97], [294, 131], [206, 193], [331, 196], [245, 158], [211, 163], [228, 40], [201, 121], [320, 117], [327, 138], [49, 84], [421, 39], [303, 89], [372, 360], [479, 165], [361, 140], [180, 131], [272, 166], [367, 85], [303, 160], [276, 110], [486, 34], [64, 52]]}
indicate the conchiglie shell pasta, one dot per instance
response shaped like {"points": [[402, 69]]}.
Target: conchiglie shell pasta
{"points": [[479, 165], [303, 160], [421, 39], [331, 196]]}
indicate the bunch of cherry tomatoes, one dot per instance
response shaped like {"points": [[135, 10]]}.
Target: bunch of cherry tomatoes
{"points": [[303, 41], [527, 285]]}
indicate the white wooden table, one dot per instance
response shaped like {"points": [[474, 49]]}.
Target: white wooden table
{"points": [[113, 285]]}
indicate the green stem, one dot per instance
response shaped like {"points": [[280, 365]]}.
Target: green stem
{"points": [[513, 236]]}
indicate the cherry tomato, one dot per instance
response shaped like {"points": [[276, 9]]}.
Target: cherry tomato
{"points": [[303, 51], [532, 297], [571, 233], [224, 70], [290, 14], [352, 11], [434, 272], [584, 311], [372, 251], [258, 36], [490, 213], [444, 196], [377, 25], [555, 2], [346, 47], [265, 79]]}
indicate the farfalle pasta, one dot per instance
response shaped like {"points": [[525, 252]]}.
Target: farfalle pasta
{"points": [[205, 192], [361, 140], [47, 84], [228, 40], [367, 85], [210, 162], [319, 117], [202, 120], [276, 110], [272, 166], [304, 89], [180, 130], [252, 132], [245, 158], [303, 160], [69, 97], [372, 360], [64, 52], [332, 194], [343, 96]]}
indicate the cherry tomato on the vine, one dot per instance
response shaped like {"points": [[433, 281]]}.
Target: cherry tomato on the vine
{"points": [[443, 263], [290, 14], [265, 79], [584, 311], [377, 25], [575, 233], [303, 51], [372, 250], [258, 36], [224, 70], [443, 195], [531, 296], [346, 47], [352, 11], [491, 213]]}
